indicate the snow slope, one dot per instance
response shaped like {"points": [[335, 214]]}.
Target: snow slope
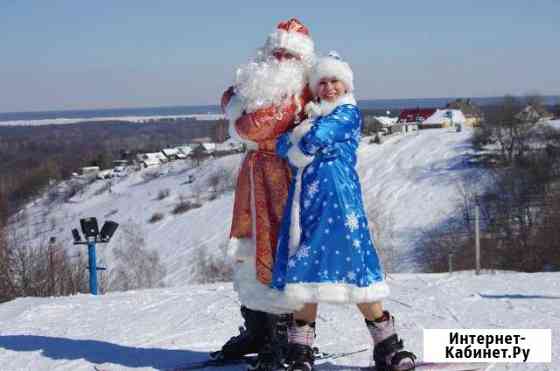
{"points": [[157, 329], [412, 178]]}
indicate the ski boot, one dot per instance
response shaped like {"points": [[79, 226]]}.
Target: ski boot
{"points": [[250, 340], [388, 352], [274, 351], [301, 358], [301, 355]]}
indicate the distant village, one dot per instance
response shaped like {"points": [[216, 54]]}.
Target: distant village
{"points": [[456, 115], [198, 149]]}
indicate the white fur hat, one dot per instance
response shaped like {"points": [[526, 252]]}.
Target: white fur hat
{"points": [[331, 66]]}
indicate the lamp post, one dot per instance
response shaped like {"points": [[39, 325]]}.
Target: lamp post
{"points": [[93, 236]]}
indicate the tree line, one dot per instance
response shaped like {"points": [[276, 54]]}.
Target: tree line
{"points": [[34, 156]]}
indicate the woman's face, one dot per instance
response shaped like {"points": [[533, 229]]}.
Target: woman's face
{"points": [[330, 89]]}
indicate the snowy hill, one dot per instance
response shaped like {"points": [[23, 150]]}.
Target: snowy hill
{"points": [[157, 329], [412, 179]]}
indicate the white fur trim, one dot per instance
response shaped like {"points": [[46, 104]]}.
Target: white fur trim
{"points": [[336, 292], [233, 111], [295, 224], [325, 108], [312, 109], [297, 158], [257, 296], [241, 248], [300, 130], [331, 67], [294, 42]]}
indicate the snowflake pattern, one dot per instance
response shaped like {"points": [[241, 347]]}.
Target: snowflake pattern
{"points": [[352, 222], [333, 229], [303, 252], [313, 188]]}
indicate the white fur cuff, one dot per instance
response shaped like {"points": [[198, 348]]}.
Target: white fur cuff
{"points": [[241, 249], [297, 158], [234, 110]]}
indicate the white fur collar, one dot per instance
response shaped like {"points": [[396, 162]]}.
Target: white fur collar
{"points": [[324, 108]]}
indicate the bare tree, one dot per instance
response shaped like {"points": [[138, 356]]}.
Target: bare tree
{"points": [[509, 129], [210, 265], [136, 267], [31, 268]]}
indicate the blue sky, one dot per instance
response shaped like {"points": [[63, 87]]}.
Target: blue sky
{"points": [[63, 54]]}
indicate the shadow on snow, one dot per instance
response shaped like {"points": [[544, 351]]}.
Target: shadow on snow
{"points": [[99, 352]]}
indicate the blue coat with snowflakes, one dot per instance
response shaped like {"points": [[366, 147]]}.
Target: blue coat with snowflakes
{"points": [[325, 252]]}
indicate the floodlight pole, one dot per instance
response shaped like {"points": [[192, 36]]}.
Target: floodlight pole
{"points": [[92, 265], [92, 262], [94, 236]]}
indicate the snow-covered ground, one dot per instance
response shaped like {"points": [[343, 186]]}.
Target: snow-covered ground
{"points": [[137, 119], [413, 179], [157, 329]]}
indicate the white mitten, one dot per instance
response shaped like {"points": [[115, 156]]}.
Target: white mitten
{"points": [[312, 109], [300, 130], [296, 157]]}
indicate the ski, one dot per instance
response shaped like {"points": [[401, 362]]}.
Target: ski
{"points": [[216, 363], [420, 366]]}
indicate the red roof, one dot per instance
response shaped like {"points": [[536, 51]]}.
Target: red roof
{"points": [[416, 114]]}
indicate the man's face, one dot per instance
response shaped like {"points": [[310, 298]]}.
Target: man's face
{"points": [[282, 54]]}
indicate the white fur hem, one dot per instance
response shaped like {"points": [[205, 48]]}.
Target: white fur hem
{"points": [[297, 158], [241, 249], [336, 292], [233, 111], [255, 295]]}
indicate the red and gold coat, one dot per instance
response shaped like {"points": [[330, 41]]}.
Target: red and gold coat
{"points": [[264, 178]]}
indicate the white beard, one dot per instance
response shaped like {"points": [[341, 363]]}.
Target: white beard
{"points": [[269, 82]]}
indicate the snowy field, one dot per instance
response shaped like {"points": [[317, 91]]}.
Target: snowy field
{"points": [[414, 179], [158, 329], [136, 119]]}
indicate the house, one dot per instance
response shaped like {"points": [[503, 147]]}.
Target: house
{"points": [[209, 147], [122, 163], [445, 118], [473, 114], [105, 174], [534, 113], [172, 154], [89, 170], [417, 115], [151, 159], [185, 150]]}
